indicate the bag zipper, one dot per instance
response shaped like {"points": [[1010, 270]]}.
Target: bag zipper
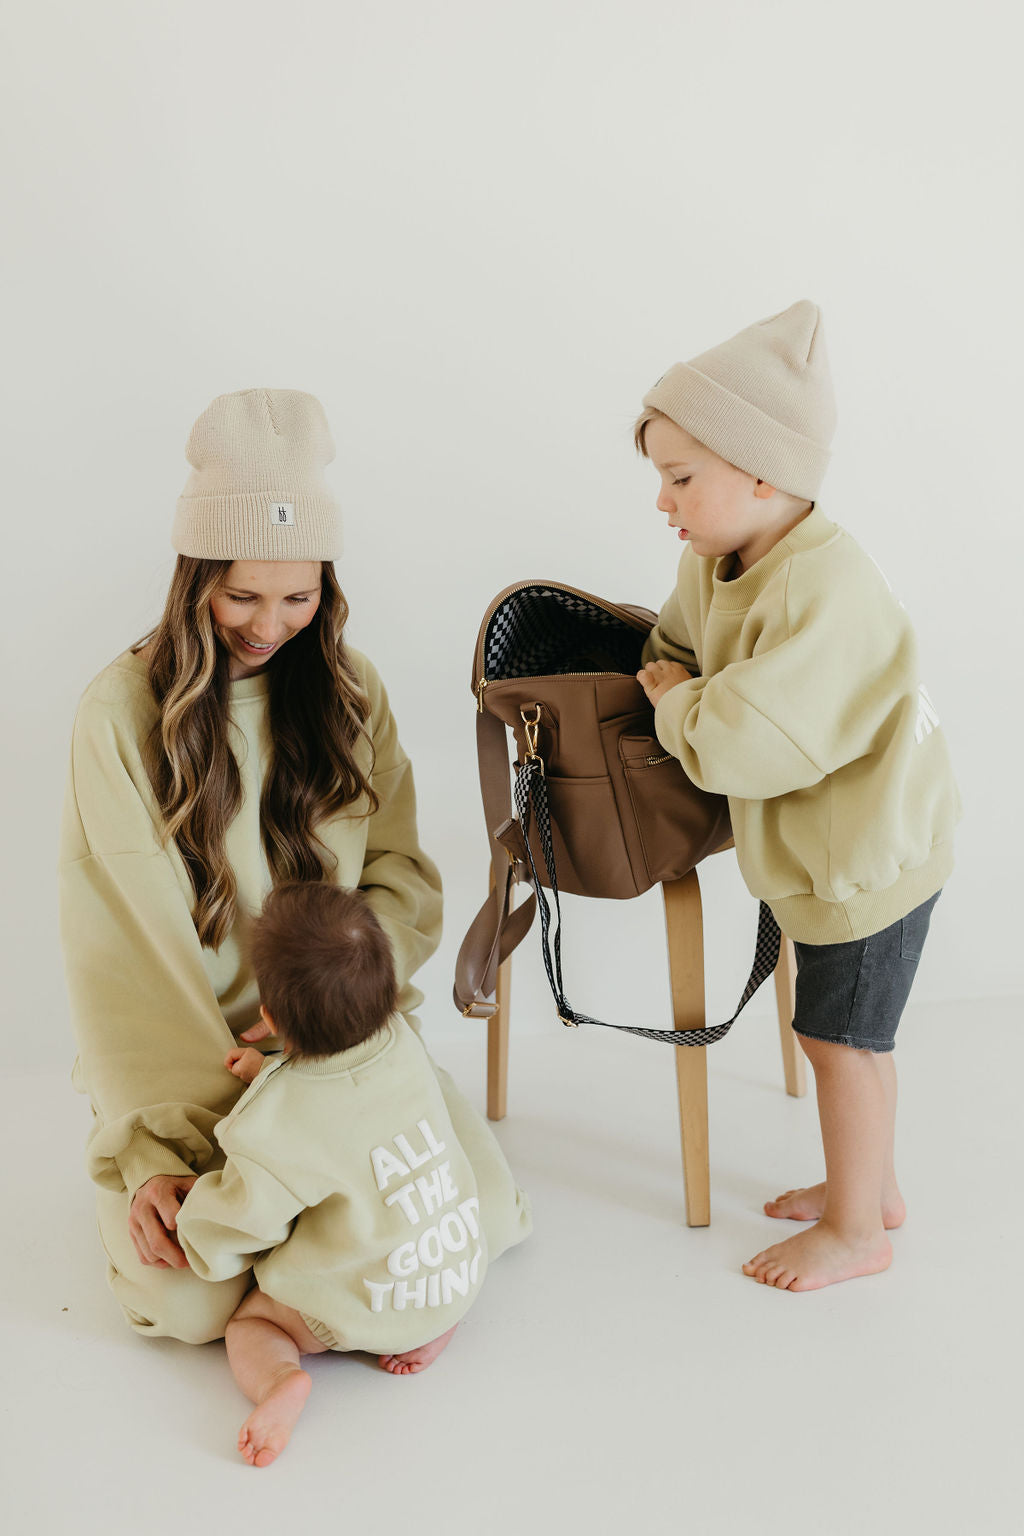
{"points": [[486, 681], [564, 586]]}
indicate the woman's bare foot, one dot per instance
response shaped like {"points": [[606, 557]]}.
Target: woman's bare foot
{"points": [[268, 1428], [809, 1204], [819, 1257], [416, 1359]]}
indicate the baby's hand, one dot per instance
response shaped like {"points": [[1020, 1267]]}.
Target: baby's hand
{"points": [[659, 676], [245, 1063]]}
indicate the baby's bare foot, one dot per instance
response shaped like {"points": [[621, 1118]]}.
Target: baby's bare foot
{"points": [[819, 1257], [809, 1204], [416, 1359], [268, 1428]]}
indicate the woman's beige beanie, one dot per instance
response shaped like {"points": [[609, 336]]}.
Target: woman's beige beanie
{"points": [[257, 489], [762, 400]]}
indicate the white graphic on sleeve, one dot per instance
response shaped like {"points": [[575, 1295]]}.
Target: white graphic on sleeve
{"points": [[428, 1195], [927, 716], [888, 583]]}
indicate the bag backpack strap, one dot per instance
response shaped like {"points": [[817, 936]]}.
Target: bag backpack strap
{"points": [[498, 927], [531, 795]]}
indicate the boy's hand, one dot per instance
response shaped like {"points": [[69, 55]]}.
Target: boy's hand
{"points": [[245, 1063], [659, 676]]}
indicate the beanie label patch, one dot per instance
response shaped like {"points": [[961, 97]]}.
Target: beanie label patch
{"points": [[281, 513]]}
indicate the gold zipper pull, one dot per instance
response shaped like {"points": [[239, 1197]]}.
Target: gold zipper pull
{"points": [[481, 685]]}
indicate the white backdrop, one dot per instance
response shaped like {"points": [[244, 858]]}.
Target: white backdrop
{"points": [[478, 234]]}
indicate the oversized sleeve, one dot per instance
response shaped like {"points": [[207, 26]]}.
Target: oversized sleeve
{"points": [[231, 1216], [401, 883], [820, 689], [151, 1036], [670, 639]]}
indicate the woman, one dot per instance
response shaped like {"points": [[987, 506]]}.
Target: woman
{"points": [[238, 745]]}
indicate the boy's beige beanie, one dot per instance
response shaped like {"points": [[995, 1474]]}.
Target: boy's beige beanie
{"points": [[762, 400], [257, 489]]}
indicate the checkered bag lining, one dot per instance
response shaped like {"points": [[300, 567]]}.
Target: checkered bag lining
{"points": [[542, 631]]}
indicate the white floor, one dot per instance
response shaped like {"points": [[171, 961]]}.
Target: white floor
{"points": [[619, 1372]]}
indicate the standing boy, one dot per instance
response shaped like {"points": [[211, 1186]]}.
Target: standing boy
{"points": [[784, 675]]}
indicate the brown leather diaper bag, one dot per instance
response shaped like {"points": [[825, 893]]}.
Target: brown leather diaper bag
{"points": [[603, 809]]}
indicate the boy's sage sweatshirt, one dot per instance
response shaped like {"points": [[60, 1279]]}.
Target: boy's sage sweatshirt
{"points": [[809, 714], [154, 1012]]}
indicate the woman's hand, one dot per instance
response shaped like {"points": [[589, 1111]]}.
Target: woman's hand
{"points": [[245, 1063], [153, 1218], [659, 676]]}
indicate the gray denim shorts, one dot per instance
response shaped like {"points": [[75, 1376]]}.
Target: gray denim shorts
{"points": [[855, 993]]}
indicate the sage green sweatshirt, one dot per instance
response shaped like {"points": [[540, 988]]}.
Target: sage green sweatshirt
{"points": [[346, 1187], [810, 715], [154, 1012]]}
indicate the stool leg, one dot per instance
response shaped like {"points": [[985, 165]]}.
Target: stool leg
{"points": [[793, 1059], [497, 1042], [685, 927]]}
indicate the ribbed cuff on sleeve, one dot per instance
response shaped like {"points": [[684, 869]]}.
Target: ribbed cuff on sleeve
{"points": [[145, 1157]]}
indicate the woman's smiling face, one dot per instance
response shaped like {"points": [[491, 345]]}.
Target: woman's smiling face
{"points": [[259, 606]]}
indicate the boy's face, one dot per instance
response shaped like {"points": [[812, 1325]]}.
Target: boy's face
{"points": [[716, 507]]}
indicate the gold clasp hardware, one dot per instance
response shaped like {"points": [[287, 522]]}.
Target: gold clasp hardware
{"points": [[569, 1023], [531, 729]]}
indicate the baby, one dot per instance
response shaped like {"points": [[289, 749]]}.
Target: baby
{"points": [[784, 675], [344, 1182]]}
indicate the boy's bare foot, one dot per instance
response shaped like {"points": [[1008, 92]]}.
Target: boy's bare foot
{"points": [[416, 1359], [268, 1428], [818, 1257], [809, 1204]]}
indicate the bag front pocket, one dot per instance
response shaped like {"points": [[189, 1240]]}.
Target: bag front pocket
{"points": [[677, 823], [591, 858]]}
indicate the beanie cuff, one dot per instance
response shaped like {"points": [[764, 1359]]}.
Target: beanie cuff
{"points": [[239, 526], [739, 432]]}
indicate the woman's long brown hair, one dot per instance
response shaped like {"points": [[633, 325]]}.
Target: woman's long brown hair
{"points": [[317, 713]]}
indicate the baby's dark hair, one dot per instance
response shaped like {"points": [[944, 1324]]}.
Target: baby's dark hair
{"points": [[324, 966]]}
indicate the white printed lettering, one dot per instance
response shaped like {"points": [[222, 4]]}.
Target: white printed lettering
{"points": [[414, 1159], [469, 1209], [454, 1234], [402, 1260], [403, 1197], [430, 1248], [430, 1192], [453, 1280], [404, 1293], [436, 1147], [377, 1293], [385, 1166]]}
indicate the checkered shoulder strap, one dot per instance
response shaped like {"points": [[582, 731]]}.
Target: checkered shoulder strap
{"points": [[531, 798]]}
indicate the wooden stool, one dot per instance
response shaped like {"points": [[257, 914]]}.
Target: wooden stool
{"points": [[685, 925]]}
